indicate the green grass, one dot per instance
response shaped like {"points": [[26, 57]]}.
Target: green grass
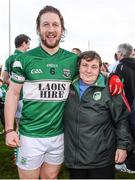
{"points": [[8, 169]]}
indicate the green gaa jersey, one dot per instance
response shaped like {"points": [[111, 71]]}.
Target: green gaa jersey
{"points": [[9, 62], [46, 79]]}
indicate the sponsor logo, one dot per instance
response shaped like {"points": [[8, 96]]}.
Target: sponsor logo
{"points": [[66, 73], [97, 96], [46, 90], [54, 90], [52, 65], [36, 71]]}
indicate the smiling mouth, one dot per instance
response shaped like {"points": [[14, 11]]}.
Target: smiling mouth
{"points": [[50, 36]]}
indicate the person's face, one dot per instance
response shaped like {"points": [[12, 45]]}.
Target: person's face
{"points": [[119, 55], [89, 71], [26, 46], [50, 30], [133, 54]]}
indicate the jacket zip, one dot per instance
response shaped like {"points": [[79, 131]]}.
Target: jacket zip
{"points": [[77, 135], [77, 128]]}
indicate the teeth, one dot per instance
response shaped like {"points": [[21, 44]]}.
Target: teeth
{"points": [[50, 35]]}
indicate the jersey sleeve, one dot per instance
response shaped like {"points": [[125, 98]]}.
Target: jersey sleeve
{"points": [[17, 74]]}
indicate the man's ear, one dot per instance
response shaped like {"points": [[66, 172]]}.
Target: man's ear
{"points": [[23, 44]]}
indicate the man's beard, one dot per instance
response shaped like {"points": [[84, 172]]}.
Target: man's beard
{"points": [[51, 46]]}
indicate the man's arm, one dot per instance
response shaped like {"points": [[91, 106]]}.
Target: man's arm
{"points": [[11, 102], [5, 77]]}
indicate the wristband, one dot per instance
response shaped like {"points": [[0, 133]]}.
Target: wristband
{"points": [[9, 130]]}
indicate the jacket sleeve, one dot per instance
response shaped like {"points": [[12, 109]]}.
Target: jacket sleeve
{"points": [[119, 70], [120, 117]]}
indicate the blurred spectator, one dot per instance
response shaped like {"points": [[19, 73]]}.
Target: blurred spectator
{"points": [[22, 44], [112, 67], [3, 90], [76, 51], [0, 70], [126, 71], [104, 69], [133, 53]]}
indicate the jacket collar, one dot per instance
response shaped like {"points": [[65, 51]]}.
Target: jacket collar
{"points": [[100, 82]]}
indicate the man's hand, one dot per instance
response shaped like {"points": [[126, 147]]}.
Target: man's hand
{"points": [[120, 155], [115, 85], [12, 139]]}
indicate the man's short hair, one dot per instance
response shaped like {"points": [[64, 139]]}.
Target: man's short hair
{"points": [[125, 49], [20, 39]]}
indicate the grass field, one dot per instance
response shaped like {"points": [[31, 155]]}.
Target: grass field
{"points": [[8, 169]]}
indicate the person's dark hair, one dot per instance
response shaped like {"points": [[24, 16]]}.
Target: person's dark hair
{"points": [[77, 50], [20, 39], [115, 57], [89, 56], [50, 9], [104, 65]]}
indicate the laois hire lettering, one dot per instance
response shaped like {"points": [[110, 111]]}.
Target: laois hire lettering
{"points": [[52, 90]]}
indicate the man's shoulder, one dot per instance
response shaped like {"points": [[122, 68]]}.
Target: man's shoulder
{"points": [[33, 51], [66, 52], [10, 57], [68, 56], [28, 54], [9, 62]]}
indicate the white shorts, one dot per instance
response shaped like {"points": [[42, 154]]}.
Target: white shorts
{"points": [[35, 151]]}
